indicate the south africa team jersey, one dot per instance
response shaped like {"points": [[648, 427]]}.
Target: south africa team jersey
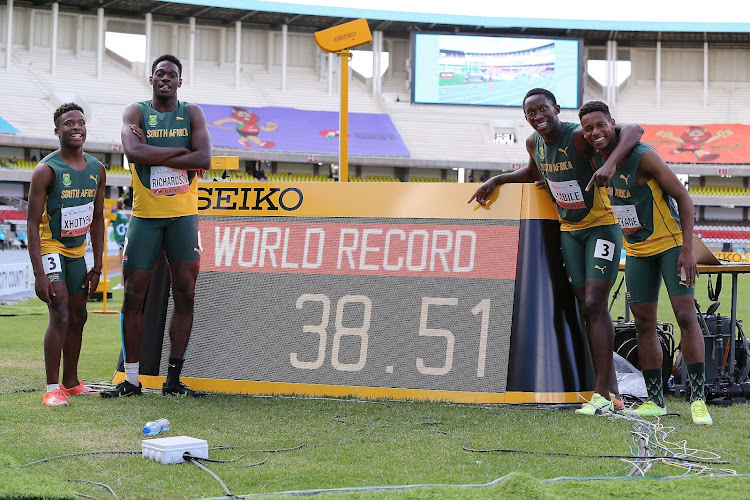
{"points": [[69, 206], [647, 215], [567, 174], [159, 191]]}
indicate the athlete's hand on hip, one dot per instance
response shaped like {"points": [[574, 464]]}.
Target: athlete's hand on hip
{"points": [[483, 192]]}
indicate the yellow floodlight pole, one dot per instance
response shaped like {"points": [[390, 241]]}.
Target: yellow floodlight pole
{"points": [[338, 40], [344, 56]]}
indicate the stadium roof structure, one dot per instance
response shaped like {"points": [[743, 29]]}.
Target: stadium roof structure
{"points": [[310, 15]]}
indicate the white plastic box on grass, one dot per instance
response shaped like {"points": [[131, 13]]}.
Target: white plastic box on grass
{"points": [[170, 450]]}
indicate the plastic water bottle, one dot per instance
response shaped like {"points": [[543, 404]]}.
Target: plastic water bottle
{"points": [[156, 427]]}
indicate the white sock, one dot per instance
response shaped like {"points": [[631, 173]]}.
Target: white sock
{"points": [[52, 387], [131, 372]]}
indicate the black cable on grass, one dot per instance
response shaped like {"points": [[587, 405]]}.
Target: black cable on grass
{"points": [[84, 496], [114, 452], [257, 463], [16, 391], [94, 482], [466, 447]]}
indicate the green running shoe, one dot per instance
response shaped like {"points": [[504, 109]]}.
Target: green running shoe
{"points": [[700, 413], [596, 406], [647, 409]]}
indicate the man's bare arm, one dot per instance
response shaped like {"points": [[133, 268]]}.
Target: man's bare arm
{"points": [[41, 180], [627, 137], [654, 166], [200, 144], [529, 173], [97, 235]]}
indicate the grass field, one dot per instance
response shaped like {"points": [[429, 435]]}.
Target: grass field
{"points": [[373, 448]]}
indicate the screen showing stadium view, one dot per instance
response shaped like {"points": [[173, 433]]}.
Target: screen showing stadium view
{"points": [[494, 70]]}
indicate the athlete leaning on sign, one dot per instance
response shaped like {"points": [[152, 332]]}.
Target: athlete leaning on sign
{"points": [[66, 200], [169, 144], [643, 194], [590, 236]]}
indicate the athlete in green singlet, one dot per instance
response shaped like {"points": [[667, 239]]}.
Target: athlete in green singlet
{"points": [[658, 244], [66, 201], [168, 143], [590, 236]]}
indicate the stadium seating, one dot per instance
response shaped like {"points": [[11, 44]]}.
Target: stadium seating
{"points": [[299, 177], [12, 214], [718, 190], [723, 233], [372, 178]]}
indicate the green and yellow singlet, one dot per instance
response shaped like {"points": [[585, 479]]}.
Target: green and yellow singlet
{"points": [[647, 215], [69, 206], [158, 191], [567, 174]]}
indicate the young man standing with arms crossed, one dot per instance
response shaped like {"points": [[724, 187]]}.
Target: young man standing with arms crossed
{"points": [[658, 244], [590, 236], [169, 144], [66, 201]]}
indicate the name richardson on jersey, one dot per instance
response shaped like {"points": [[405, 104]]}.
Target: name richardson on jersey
{"points": [[250, 199]]}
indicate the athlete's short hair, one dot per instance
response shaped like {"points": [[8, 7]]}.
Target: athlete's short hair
{"points": [[539, 91], [592, 107], [170, 58], [64, 108]]}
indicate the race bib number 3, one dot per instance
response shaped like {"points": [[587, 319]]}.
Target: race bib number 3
{"points": [[567, 194], [604, 250], [167, 180], [628, 218], [75, 221], [51, 263]]}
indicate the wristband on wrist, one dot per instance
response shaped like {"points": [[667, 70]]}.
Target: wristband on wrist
{"points": [[96, 272]]}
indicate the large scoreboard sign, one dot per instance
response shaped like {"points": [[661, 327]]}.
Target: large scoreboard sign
{"points": [[382, 290]]}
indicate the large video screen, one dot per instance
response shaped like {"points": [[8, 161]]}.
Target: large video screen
{"points": [[494, 70]]}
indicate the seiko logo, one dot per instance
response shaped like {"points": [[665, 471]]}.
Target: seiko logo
{"points": [[249, 198]]}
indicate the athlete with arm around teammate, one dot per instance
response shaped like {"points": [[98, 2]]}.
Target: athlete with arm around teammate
{"points": [[66, 201], [169, 145], [590, 236], [659, 245]]}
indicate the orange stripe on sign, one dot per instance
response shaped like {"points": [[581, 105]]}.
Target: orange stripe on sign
{"points": [[425, 250]]}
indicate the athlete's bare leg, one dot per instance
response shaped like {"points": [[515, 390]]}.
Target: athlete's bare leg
{"points": [[691, 338], [77, 315], [184, 276], [599, 331], [649, 347], [54, 337], [136, 283]]}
